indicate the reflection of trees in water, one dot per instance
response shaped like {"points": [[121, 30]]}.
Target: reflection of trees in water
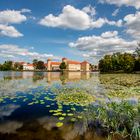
{"points": [[43, 129], [38, 76], [10, 127]]}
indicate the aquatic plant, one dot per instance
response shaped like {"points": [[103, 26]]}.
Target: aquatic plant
{"points": [[74, 96], [59, 124]]}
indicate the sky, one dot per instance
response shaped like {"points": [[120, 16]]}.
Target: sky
{"points": [[76, 29]]}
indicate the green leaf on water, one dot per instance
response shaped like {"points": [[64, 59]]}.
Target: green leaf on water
{"points": [[59, 124]]}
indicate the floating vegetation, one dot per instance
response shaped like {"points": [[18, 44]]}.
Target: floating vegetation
{"points": [[70, 114], [31, 103], [61, 118], [74, 96], [59, 124], [73, 119]]}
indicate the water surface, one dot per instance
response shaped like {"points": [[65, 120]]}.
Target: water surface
{"points": [[56, 106]]}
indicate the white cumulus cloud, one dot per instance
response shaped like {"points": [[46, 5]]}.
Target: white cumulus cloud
{"points": [[134, 3], [11, 51], [96, 47], [8, 17], [9, 31], [12, 16], [76, 19], [132, 22]]}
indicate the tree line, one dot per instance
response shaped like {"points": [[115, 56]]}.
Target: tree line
{"points": [[9, 65], [121, 62], [37, 64]]}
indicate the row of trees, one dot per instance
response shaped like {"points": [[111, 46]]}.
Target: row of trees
{"points": [[38, 65], [125, 62], [9, 65]]}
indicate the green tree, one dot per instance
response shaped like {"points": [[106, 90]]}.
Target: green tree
{"points": [[18, 66], [137, 51], [63, 66], [8, 65], [35, 62], [105, 64], [129, 62], [40, 65], [137, 64], [118, 62]]}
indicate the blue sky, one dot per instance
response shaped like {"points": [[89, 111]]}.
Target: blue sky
{"points": [[76, 29]]}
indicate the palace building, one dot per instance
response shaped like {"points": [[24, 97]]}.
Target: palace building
{"points": [[71, 65], [54, 66]]}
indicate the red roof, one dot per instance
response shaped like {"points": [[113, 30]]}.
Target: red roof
{"points": [[49, 59], [55, 63], [84, 62], [21, 63], [73, 62], [64, 58], [30, 65], [46, 64]]}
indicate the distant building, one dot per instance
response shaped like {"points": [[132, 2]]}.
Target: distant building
{"points": [[28, 66], [71, 65], [54, 66], [50, 65]]}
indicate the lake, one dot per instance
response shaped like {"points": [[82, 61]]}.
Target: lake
{"points": [[69, 106]]}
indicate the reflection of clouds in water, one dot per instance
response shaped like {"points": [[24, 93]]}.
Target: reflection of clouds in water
{"points": [[74, 130], [48, 122], [68, 132], [10, 126], [6, 110], [10, 87]]}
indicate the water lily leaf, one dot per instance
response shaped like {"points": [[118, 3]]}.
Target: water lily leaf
{"points": [[59, 124], [70, 114], [61, 118]]}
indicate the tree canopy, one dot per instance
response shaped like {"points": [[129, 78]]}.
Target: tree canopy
{"points": [[125, 62], [63, 66]]}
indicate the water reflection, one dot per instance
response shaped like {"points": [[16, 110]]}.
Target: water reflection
{"points": [[10, 127], [50, 76], [6, 110], [30, 110]]}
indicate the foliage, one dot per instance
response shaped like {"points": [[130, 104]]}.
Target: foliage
{"points": [[119, 62], [8, 65], [18, 66], [138, 50], [35, 62], [40, 65], [63, 66]]}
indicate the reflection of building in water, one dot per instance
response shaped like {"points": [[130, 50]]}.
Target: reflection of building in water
{"points": [[50, 76], [53, 76], [27, 75], [67, 76]]}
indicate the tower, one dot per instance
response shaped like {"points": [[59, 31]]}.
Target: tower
{"points": [[49, 64]]}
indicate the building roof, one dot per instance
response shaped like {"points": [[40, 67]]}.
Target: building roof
{"points": [[55, 63], [21, 63], [64, 58], [46, 64], [48, 59], [84, 62], [73, 62], [30, 65]]}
